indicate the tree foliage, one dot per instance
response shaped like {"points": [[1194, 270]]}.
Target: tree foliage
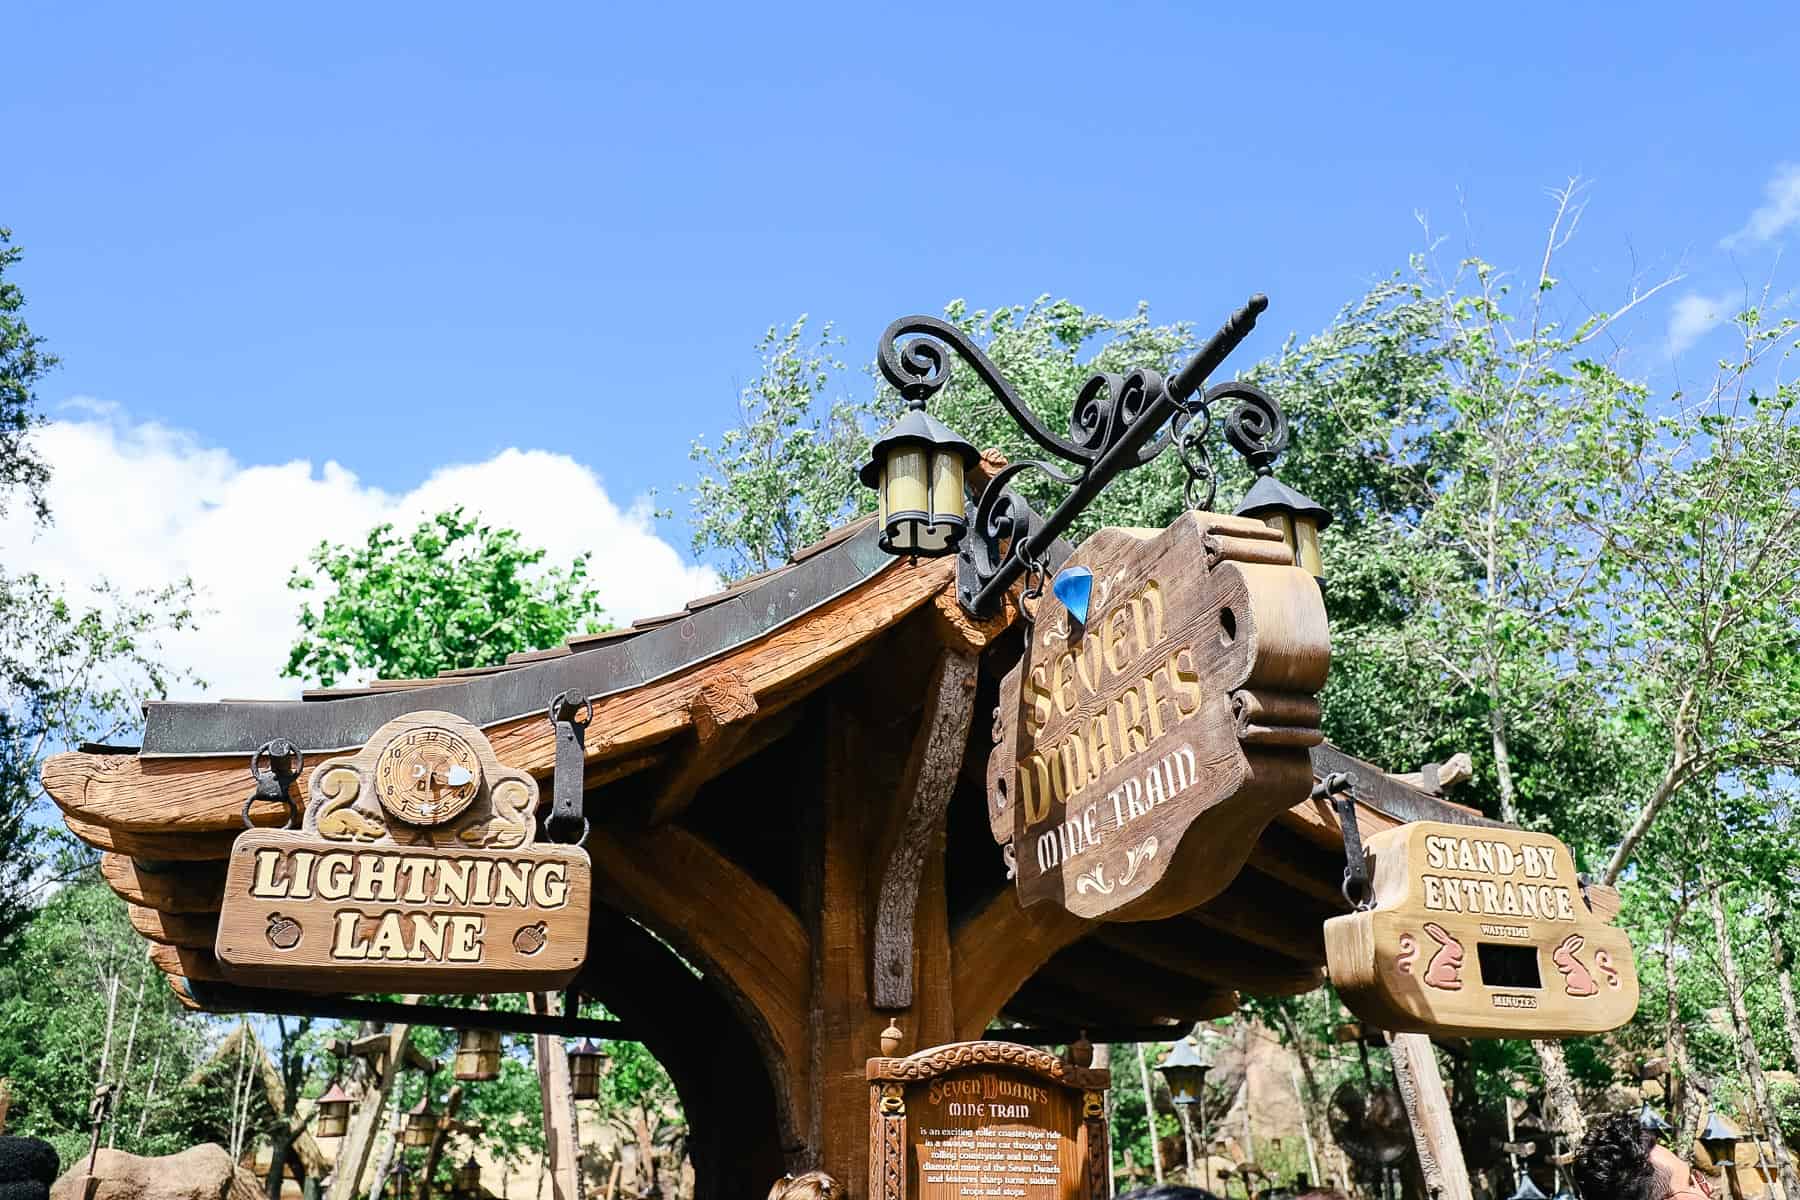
{"points": [[23, 363], [455, 592]]}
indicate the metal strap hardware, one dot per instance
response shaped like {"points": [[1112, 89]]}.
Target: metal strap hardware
{"points": [[275, 766], [570, 713], [1338, 788]]}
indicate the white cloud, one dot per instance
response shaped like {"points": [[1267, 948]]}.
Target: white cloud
{"points": [[1780, 209], [1693, 316], [142, 504]]}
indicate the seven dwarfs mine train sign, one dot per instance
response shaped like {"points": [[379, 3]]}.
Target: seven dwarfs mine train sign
{"points": [[416, 868]]}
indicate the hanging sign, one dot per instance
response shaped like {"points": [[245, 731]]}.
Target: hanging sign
{"points": [[416, 868], [1181, 685], [986, 1119], [1479, 932]]}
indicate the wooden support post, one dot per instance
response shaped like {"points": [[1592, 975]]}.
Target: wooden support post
{"points": [[354, 1158], [451, 1104], [1428, 1108], [562, 1144], [721, 713]]}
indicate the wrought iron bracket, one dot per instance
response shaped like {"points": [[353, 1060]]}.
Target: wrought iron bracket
{"points": [[1117, 423]]}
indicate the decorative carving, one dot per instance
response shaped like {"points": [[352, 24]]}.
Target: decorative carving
{"points": [[928, 1064], [1514, 949], [1188, 696], [415, 868]]}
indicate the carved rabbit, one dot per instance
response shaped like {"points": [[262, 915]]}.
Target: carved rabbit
{"points": [[1576, 980], [1445, 969]]}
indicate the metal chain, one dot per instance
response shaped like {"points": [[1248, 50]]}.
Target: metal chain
{"points": [[1191, 437], [1035, 573]]}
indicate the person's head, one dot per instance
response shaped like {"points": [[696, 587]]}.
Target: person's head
{"points": [[808, 1185], [1621, 1160]]}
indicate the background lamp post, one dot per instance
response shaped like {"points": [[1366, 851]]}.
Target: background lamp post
{"points": [[1296, 518], [1720, 1139], [584, 1069], [478, 1054], [421, 1123], [1116, 423], [1650, 1119], [334, 1112], [1184, 1070], [467, 1178], [1527, 1189], [917, 469]]}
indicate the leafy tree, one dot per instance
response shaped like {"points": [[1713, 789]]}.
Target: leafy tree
{"points": [[81, 1005], [786, 474], [453, 593], [23, 362], [68, 674]]}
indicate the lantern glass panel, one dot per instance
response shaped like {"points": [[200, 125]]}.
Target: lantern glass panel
{"points": [[908, 484], [1305, 542], [421, 1127], [478, 1054], [947, 505]]}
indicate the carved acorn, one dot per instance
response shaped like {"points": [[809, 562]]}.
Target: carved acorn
{"points": [[283, 932], [530, 938]]}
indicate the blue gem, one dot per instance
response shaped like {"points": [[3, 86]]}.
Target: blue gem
{"points": [[1074, 586]]}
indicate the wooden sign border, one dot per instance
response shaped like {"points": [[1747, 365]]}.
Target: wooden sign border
{"points": [[889, 1078]]}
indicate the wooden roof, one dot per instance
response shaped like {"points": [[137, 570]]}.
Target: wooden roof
{"points": [[717, 691]]}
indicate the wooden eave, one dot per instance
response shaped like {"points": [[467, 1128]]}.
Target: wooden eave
{"points": [[679, 701]]}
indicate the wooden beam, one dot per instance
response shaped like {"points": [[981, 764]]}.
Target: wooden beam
{"points": [[997, 949], [193, 888], [452, 1103], [1428, 1108], [186, 962], [717, 915], [1129, 990], [1263, 913], [931, 772], [154, 847], [196, 930], [172, 795], [562, 1138], [1225, 962], [1301, 864], [353, 1157], [722, 711]]}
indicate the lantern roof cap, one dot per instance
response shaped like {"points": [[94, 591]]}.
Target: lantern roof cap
{"points": [[1184, 1053], [918, 426], [1269, 494], [1527, 1189], [1720, 1129], [335, 1094], [586, 1046], [422, 1108]]}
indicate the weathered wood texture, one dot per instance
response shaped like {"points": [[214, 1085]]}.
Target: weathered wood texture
{"points": [[1188, 693], [190, 888], [180, 795], [1428, 1110], [1480, 932], [353, 1156], [562, 1138], [923, 795]]}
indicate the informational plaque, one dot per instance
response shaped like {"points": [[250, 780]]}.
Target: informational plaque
{"points": [[977, 1120], [415, 868], [1183, 691], [1480, 932]]}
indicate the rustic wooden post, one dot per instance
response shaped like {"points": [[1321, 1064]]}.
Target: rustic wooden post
{"points": [[1428, 1109], [451, 1103], [354, 1159], [562, 1147]]}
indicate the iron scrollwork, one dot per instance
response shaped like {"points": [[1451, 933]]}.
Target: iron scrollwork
{"points": [[1117, 423]]}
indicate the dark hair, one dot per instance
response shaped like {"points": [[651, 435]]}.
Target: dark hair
{"points": [[1614, 1161]]}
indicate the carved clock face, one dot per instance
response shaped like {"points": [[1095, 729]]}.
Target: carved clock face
{"points": [[427, 776]]}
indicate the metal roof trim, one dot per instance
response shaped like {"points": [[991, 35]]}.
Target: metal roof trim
{"points": [[198, 729]]}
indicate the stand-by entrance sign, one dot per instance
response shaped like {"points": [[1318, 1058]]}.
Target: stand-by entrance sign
{"points": [[1480, 933], [416, 868], [975, 1120]]}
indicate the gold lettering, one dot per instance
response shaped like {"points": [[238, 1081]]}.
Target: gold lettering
{"points": [[266, 884], [1153, 702], [428, 930], [388, 942], [484, 877], [343, 939], [300, 875], [1149, 600], [465, 938], [335, 871], [1040, 701], [512, 882], [1131, 724], [550, 885], [452, 881], [1066, 696], [1072, 754], [1118, 633], [375, 874], [418, 870], [1100, 750], [1185, 683]]}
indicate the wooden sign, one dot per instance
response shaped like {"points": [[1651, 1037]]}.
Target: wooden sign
{"points": [[986, 1119], [1188, 692], [415, 869], [1479, 932]]}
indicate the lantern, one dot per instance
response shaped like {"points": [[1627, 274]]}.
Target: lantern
{"points": [[402, 1173], [917, 469], [466, 1179], [584, 1069], [1720, 1139], [1298, 519], [333, 1113], [1184, 1070], [421, 1123], [478, 1054]]}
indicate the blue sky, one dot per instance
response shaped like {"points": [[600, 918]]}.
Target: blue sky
{"points": [[402, 237]]}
